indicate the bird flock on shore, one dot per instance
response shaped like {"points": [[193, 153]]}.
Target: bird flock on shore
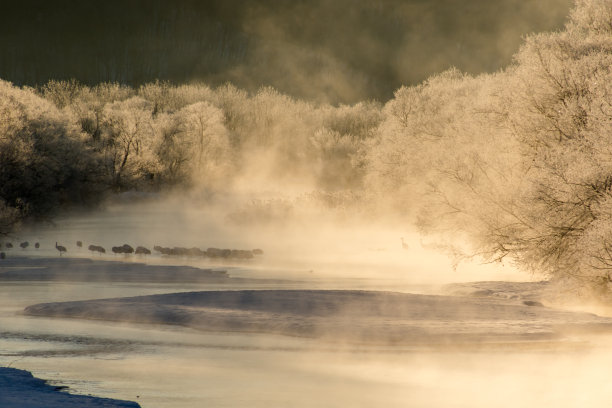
{"points": [[141, 250]]}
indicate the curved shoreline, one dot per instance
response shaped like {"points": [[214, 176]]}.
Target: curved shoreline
{"points": [[350, 316], [20, 389]]}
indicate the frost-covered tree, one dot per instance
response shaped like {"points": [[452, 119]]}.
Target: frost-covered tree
{"points": [[521, 161], [339, 143], [188, 94], [129, 143], [174, 153], [202, 130], [158, 94], [560, 108], [43, 163], [61, 93], [87, 107], [435, 137], [233, 103]]}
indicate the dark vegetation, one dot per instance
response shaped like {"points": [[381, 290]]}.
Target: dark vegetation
{"points": [[518, 161], [338, 51]]}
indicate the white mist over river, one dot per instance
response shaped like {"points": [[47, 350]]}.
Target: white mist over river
{"points": [[306, 247], [175, 367], [170, 366]]}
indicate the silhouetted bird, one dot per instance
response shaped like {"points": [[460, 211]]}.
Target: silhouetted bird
{"points": [[182, 251], [37, 245], [163, 250], [241, 254], [97, 248], [213, 252], [195, 251], [142, 251], [404, 245], [79, 244], [60, 248], [123, 249], [24, 245]]}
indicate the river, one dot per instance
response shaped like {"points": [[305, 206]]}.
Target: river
{"points": [[175, 367]]}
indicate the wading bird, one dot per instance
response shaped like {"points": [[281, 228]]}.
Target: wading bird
{"points": [[123, 249], [142, 251], [24, 245], [97, 248], [60, 248]]}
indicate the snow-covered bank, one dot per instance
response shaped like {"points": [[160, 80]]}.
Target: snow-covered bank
{"points": [[365, 317], [19, 389]]}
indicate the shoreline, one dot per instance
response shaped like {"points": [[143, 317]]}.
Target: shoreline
{"points": [[20, 389]]}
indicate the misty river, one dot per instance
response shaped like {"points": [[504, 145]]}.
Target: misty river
{"points": [[171, 366], [161, 366], [306, 204]]}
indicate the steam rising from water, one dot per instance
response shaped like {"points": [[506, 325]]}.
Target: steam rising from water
{"points": [[313, 247], [316, 249], [266, 370]]}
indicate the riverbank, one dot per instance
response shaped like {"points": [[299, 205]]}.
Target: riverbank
{"points": [[20, 389]]}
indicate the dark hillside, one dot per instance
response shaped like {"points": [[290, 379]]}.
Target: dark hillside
{"points": [[340, 51]]}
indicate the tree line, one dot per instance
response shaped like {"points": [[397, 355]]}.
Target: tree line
{"points": [[519, 161]]}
